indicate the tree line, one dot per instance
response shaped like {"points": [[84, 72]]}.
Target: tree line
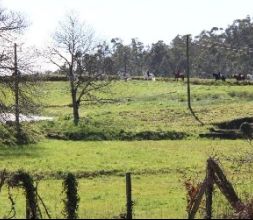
{"points": [[228, 51]]}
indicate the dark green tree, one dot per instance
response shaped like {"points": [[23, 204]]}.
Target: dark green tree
{"points": [[158, 60]]}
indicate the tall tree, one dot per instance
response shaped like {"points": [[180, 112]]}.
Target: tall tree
{"points": [[105, 63], [74, 52], [177, 54], [121, 56], [137, 57], [159, 58]]}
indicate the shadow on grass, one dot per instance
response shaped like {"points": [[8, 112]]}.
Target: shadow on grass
{"points": [[229, 130], [59, 175], [117, 136], [92, 130], [20, 151]]}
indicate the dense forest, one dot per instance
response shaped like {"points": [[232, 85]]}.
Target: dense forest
{"points": [[218, 50]]}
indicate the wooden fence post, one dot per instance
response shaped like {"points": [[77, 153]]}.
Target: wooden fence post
{"points": [[216, 176], [129, 196], [27, 209], [196, 204], [209, 190], [226, 187]]}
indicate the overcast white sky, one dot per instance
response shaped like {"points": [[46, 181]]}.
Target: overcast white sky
{"points": [[149, 20]]}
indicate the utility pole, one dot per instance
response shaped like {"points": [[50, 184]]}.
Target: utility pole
{"points": [[16, 91], [125, 65], [188, 71], [188, 79]]}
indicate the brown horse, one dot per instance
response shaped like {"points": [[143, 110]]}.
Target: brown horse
{"points": [[239, 77], [179, 75]]}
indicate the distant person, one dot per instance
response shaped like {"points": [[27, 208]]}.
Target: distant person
{"points": [[148, 74]]}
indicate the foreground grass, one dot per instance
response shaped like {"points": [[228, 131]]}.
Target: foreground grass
{"points": [[159, 167], [105, 197], [121, 157], [155, 196]]}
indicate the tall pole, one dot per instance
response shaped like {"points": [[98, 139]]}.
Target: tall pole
{"points": [[188, 79], [16, 91], [125, 65], [188, 71]]}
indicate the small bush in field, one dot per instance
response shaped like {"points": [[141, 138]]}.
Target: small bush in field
{"points": [[247, 130], [71, 202]]}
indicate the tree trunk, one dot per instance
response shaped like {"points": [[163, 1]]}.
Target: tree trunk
{"points": [[16, 91], [75, 104], [75, 107]]}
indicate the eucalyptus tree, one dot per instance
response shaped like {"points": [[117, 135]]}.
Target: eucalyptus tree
{"points": [[177, 54], [158, 60], [137, 57], [240, 36], [121, 56]]}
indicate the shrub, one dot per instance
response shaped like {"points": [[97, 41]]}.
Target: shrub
{"points": [[24, 180], [71, 202], [247, 130]]}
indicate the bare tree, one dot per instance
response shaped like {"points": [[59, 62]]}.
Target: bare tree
{"points": [[11, 23], [76, 54], [20, 84], [15, 71]]}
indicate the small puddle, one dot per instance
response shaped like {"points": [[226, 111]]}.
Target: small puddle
{"points": [[23, 118]]}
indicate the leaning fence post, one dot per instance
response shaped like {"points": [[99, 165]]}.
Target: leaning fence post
{"points": [[27, 209], [209, 190], [198, 198], [129, 196]]}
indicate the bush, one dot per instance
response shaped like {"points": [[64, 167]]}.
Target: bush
{"points": [[7, 136], [30, 135], [247, 130], [71, 202]]}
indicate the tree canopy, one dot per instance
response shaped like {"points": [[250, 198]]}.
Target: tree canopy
{"points": [[227, 50]]}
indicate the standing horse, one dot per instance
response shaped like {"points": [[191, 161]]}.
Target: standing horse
{"points": [[149, 76], [239, 77], [219, 76], [179, 75], [250, 77]]}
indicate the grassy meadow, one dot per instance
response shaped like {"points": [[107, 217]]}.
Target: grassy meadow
{"points": [[154, 106], [159, 167]]}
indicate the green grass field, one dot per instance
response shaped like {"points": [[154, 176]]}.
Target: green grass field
{"points": [[155, 106], [159, 168]]}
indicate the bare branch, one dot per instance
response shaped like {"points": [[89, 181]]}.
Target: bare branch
{"points": [[74, 52]]}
